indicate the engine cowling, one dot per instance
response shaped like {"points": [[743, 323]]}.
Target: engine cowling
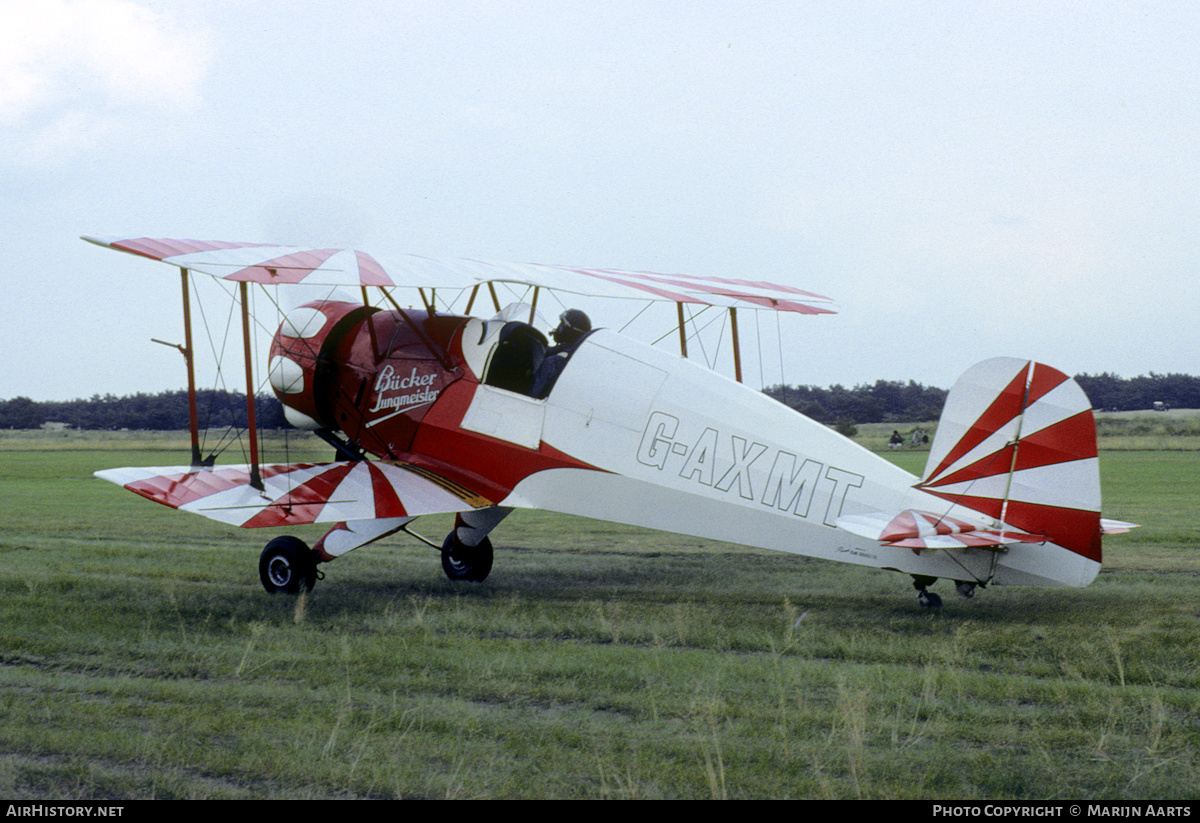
{"points": [[298, 370]]}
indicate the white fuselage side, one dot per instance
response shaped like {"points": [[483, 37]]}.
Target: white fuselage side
{"points": [[686, 450]]}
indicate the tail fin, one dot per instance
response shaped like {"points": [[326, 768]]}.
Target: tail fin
{"points": [[1017, 442]]}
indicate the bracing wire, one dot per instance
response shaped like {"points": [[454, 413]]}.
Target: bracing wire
{"points": [[758, 345], [779, 346], [636, 316], [219, 376]]}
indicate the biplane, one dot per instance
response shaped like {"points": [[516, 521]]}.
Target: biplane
{"points": [[429, 411]]}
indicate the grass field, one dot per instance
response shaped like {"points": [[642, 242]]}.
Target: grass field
{"points": [[140, 658]]}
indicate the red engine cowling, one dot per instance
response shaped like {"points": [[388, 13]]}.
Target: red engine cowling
{"points": [[368, 373], [303, 337]]}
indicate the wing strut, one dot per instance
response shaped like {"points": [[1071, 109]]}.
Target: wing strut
{"points": [[193, 417], [682, 331], [186, 351], [733, 328], [251, 422], [737, 349]]}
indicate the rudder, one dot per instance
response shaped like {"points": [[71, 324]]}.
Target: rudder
{"points": [[1017, 442]]}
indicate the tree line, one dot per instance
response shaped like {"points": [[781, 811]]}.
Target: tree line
{"points": [[884, 401], [893, 401], [165, 411]]}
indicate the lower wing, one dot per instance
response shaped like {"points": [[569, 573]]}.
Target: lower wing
{"points": [[299, 493]]}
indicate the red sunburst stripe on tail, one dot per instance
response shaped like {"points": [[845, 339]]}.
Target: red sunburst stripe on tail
{"points": [[1045, 378], [1073, 529], [1073, 438], [1007, 405], [1063, 442], [998, 462], [990, 506]]}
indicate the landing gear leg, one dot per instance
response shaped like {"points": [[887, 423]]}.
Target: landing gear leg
{"points": [[965, 588], [927, 599], [350, 535]]}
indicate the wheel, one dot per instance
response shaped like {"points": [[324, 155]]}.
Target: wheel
{"points": [[965, 588], [287, 565], [929, 600], [461, 562]]}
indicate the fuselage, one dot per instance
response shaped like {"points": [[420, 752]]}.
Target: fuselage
{"points": [[625, 433]]}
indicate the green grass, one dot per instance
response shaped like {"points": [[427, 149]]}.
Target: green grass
{"points": [[139, 657]]}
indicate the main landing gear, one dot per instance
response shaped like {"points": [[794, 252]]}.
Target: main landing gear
{"points": [[287, 566], [931, 601], [467, 551], [462, 562]]}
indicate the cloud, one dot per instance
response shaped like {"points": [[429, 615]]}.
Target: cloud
{"points": [[73, 71]]}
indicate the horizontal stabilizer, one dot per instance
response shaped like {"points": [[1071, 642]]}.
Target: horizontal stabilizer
{"points": [[1115, 526], [917, 530], [299, 493]]}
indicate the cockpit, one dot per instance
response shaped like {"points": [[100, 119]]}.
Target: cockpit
{"points": [[513, 355], [517, 360]]}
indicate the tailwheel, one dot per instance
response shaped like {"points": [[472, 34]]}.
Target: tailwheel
{"points": [[929, 600], [926, 599], [287, 566], [965, 588], [462, 562]]}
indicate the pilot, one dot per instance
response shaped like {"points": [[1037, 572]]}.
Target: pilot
{"points": [[573, 325]]}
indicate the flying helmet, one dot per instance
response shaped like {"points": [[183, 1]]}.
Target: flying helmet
{"points": [[572, 325]]}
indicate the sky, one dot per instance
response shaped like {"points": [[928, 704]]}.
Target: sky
{"points": [[965, 179]]}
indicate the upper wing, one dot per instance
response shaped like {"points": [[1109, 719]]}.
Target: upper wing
{"points": [[264, 263], [299, 493]]}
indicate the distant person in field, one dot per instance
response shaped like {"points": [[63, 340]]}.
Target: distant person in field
{"points": [[896, 440]]}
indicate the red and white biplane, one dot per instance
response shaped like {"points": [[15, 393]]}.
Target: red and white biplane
{"points": [[431, 412]]}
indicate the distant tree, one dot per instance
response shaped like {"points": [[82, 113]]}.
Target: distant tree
{"points": [[883, 402], [164, 411], [21, 413], [1108, 391]]}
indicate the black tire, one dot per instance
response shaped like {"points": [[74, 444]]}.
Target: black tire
{"points": [[461, 562], [287, 565], [929, 600]]}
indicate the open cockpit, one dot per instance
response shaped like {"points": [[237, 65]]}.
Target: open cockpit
{"points": [[513, 355]]}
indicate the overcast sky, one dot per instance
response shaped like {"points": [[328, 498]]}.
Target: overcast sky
{"points": [[965, 179]]}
